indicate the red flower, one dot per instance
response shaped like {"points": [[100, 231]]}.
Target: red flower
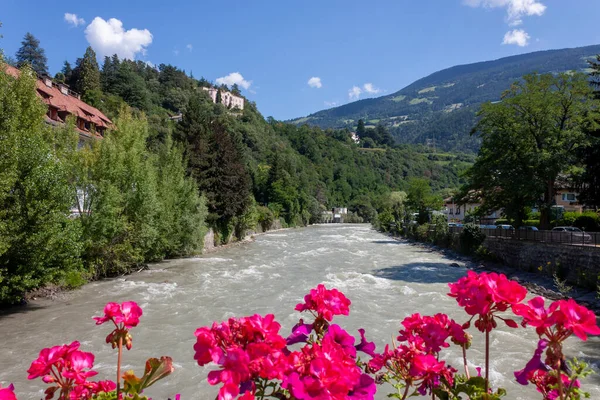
{"points": [[577, 319], [7, 393], [326, 303], [124, 316], [484, 295]]}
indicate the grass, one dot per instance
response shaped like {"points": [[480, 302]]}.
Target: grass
{"points": [[420, 100], [398, 99], [374, 121], [427, 90], [301, 120]]}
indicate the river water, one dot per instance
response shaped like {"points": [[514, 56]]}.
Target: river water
{"points": [[386, 280]]}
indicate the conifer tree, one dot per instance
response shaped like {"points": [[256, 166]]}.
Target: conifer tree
{"points": [[219, 99], [32, 54], [89, 74]]}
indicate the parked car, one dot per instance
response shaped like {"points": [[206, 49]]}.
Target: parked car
{"points": [[528, 228], [570, 234], [507, 227]]}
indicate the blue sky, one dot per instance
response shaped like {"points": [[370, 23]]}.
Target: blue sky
{"points": [[353, 49]]}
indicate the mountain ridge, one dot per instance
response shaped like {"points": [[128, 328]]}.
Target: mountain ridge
{"points": [[440, 107]]}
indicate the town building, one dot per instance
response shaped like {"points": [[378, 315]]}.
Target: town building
{"points": [[227, 99], [63, 102], [455, 212]]}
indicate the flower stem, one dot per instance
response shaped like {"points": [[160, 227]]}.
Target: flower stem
{"points": [[487, 361], [405, 392], [119, 366], [560, 383], [464, 349]]}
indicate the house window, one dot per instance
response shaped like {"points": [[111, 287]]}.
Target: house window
{"points": [[569, 197], [458, 211]]}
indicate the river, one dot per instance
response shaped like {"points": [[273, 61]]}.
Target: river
{"points": [[386, 280]]}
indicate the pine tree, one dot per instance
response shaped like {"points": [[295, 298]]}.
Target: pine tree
{"points": [[67, 72], [360, 129], [89, 73], [219, 99], [32, 54]]}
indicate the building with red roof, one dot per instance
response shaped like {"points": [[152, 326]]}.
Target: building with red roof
{"points": [[63, 102]]}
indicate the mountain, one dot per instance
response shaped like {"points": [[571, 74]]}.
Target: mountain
{"points": [[440, 108]]}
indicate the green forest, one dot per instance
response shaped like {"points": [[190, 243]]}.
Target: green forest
{"points": [[152, 187]]}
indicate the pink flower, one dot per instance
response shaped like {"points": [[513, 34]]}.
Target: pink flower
{"points": [[75, 364], [300, 333], [124, 316], [326, 303], [533, 365], [484, 295], [127, 315], [364, 346], [50, 357], [246, 349], [7, 393], [577, 319]]}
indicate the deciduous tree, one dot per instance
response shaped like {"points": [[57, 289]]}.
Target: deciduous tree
{"points": [[529, 138]]}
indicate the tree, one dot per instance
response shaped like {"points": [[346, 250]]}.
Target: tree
{"points": [[420, 199], [219, 99], [529, 138], [235, 90], [67, 72], [89, 74], [360, 129], [32, 54], [590, 193], [38, 241]]}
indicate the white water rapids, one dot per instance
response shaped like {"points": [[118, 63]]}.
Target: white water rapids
{"points": [[386, 280]]}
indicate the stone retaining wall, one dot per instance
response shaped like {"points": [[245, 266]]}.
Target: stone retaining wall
{"points": [[579, 265]]}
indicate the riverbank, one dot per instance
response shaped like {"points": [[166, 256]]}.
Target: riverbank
{"points": [[52, 291], [534, 282]]}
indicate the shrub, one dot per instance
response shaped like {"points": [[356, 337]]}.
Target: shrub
{"points": [[471, 238], [588, 221], [265, 217]]}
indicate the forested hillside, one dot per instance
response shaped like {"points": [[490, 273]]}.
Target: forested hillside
{"points": [[442, 106], [153, 185]]}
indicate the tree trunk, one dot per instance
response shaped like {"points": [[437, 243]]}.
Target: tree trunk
{"points": [[545, 212]]}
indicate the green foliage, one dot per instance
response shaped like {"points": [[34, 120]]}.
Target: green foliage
{"points": [[88, 73], [471, 237], [31, 54], [38, 241], [529, 139], [421, 200]]}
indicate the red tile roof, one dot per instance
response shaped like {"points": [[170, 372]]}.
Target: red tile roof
{"points": [[53, 97]]}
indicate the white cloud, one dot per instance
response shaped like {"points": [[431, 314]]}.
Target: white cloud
{"points": [[354, 93], [234, 77], [330, 103], [176, 52], [190, 47], [109, 37], [369, 88], [518, 37], [315, 82], [73, 19], [515, 9]]}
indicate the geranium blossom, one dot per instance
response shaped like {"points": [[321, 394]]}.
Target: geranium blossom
{"points": [[325, 302], [124, 316], [246, 349], [483, 295], [67, 369], [7, 393]]}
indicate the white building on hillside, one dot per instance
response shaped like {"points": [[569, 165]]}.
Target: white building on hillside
{"points": [[227, 99]]}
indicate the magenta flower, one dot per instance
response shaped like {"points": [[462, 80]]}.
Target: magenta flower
{"points": [[326, 303], [124, 316], [533, 365], [7, 393], [300, 333], [364, 346], [484, 295]]}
